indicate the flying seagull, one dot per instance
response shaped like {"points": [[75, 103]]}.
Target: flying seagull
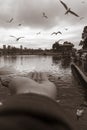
{"points": [[17, 38], [81, 18], [66, 29], [38, 33], [10, 20], [68, 10], [83, 2], [44, 15], [19, 24], [56, 33]]}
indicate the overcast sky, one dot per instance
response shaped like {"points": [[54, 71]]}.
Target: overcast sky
{"points": [[29, 13]]}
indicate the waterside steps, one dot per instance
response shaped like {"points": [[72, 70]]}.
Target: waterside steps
{"points": [[77, 72]]}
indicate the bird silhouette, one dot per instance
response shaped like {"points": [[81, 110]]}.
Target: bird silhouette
{"points": [[81, 18], [56, 33], [10, 20], [45, 16], [17, 38], [66, 29], [38, 33], [19, 24], [68, 10], [83, 2]]}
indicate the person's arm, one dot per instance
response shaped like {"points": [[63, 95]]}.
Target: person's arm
{"points": [[20, 85], [32, 106]]}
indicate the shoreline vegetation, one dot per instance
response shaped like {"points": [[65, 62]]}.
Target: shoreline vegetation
{"points": [[35, 52], [43, 53]]}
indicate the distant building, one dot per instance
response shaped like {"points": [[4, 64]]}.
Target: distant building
{"points": [[9, 47], [4, 47], [21, 47]]}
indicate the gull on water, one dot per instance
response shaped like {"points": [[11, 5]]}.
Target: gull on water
{"points": [[79, 113]]}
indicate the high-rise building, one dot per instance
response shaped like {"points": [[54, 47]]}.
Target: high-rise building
{"points": [[21, 47], [4, 47]]}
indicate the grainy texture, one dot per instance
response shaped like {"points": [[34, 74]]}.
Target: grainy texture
{"points": [[67, 97]]}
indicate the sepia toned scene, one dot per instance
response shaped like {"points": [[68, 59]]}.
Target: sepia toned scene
{"points": [[43, 65]]}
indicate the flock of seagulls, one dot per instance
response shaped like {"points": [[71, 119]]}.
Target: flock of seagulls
{"points": [[79, 112], [68, 11], [17, 38], [10, 21]]}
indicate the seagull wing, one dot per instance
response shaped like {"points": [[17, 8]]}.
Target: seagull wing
{"points": [[12, 36], [81, 18], [53, 33], [59, 32], [19, 38], [66, 29], [38, 33], [46, 17], [19, 24], [65, 6], [83, 2], [10, 20], [74, 13], [43, 14]]}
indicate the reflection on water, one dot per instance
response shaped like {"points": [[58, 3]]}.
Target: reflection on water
{"points": [[65, 62], [52, 65], [68, 89], [70, 93], [28, 63], [55, 59]]}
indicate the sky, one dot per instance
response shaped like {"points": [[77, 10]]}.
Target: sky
{"points": [[35, 29]]}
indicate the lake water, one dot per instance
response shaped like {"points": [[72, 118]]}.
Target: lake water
{"points": [[58, 68], [70, 93], [28, 63]]}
